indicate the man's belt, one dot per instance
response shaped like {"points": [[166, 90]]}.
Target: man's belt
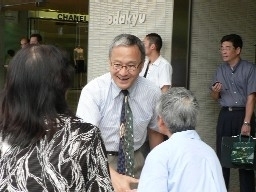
{"points": [[233, 108], [142, 148], [112, 153], [115, 153]]}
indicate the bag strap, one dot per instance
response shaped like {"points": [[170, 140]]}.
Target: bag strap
{"points": [[240, 138]]}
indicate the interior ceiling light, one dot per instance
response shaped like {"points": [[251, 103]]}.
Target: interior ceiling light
{"points": [[50, 10]]}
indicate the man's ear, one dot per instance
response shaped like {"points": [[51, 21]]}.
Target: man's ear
{"points": [[160, 122], [109, 64], [162, 127], [238, 50], [152, 46]]}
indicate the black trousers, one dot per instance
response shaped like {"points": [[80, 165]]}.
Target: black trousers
{"points": [[229, 124]]}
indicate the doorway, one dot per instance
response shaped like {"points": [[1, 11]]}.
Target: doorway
{"points": [[69, 36]]}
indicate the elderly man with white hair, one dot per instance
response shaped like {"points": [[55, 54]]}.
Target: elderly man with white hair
{"points": [[183, 162]]}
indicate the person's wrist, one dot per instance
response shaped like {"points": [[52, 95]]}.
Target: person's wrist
{"points": [[246, 123]]}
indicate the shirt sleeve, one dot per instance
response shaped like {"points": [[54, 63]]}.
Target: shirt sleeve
{"points": [[88, 105], [251, 86], [153, 122], [165, 75]]}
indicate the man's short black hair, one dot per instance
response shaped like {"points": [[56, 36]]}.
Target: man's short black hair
{"points": [[38, 36], [234, 38]]}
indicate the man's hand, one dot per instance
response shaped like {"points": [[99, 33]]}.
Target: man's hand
{"points": [[246, 129], [216, 88], [121, 183]]}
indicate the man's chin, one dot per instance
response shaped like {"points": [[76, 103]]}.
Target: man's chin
{"points": [[123, 85], [225, 59]]}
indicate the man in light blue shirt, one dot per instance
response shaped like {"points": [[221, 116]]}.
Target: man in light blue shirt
{"points": [[183, 162]]}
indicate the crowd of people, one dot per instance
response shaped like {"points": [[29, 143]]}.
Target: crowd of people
{"points": [[35, 38], [132, 130]]}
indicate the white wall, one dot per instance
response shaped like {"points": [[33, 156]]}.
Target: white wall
{"points": [[158, 19]]}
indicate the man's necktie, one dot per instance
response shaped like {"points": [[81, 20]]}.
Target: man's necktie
{"points": [[125, 164]]}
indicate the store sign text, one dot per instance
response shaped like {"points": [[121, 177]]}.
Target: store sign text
{"points": [[70, 17], [126, 18]]}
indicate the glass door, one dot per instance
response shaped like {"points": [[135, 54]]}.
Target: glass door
{"points": [[70, 36]]}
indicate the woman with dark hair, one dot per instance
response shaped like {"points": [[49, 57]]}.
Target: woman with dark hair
{"points": [[43, 145]]}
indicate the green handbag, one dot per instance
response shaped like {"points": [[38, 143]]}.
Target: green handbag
{"points": [[243, 152]]}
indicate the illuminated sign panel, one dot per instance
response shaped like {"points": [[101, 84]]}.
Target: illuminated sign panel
{"points": [[59, 16], [71, 17]]}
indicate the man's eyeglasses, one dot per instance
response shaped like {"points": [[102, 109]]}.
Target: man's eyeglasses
{"points": [[226, 49], [128, 67]]}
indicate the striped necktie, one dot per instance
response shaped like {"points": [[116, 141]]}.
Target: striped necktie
{"points": [[125, 164]]}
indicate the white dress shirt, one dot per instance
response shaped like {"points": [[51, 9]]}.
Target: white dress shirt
{"points": [[183, 163], [159, 72], [101, 101]]}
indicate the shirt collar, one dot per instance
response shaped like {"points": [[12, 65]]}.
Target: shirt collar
{"points": [[157, 61], [235, 67], [116, 90], [189, 134]]}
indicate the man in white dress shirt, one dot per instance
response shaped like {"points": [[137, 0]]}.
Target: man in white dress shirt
{"points": [[156, 68], [183, 162], [101, 101]]}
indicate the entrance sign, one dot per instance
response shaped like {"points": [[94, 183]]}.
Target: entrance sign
{"points": [[59, 16], [126, 18]]}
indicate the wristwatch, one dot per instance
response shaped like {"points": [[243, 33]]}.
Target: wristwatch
{"points": [[247, 123]]}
